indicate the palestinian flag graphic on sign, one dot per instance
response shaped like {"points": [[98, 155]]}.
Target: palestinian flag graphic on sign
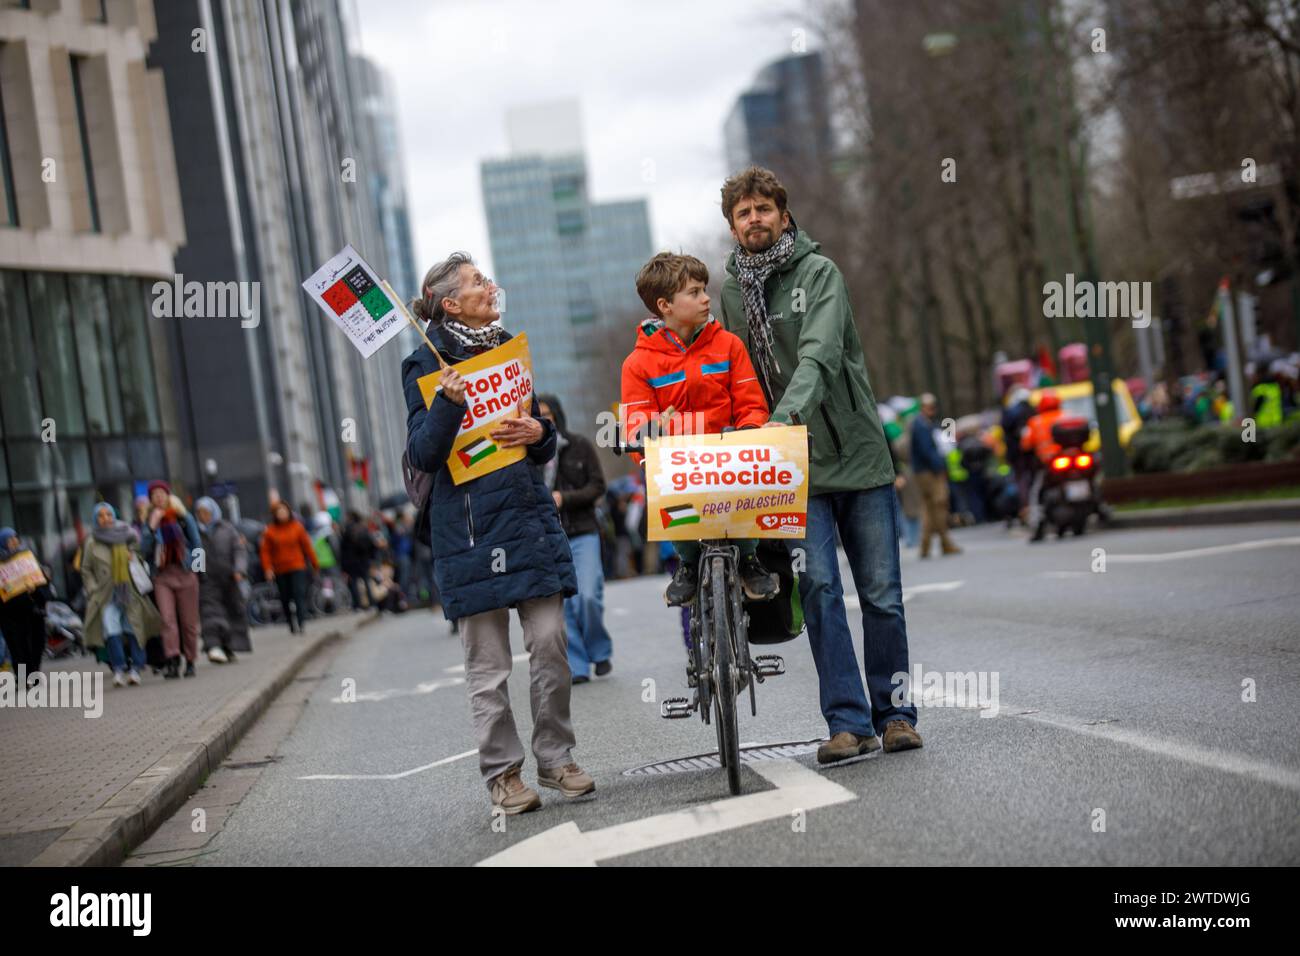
{"points": [[476, 451], [679, 515]]}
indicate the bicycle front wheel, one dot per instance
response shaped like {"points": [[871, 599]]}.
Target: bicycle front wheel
{"points": [[724, 675]]}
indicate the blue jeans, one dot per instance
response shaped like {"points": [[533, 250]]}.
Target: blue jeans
{"points": [[584, 613], [116, 628], [868, 526]]}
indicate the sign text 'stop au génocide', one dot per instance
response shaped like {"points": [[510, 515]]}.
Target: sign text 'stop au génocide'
{"points": [[496, 382], [744, 484]]}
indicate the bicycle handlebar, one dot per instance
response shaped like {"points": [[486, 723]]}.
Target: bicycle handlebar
{"points": [[638, 447]]}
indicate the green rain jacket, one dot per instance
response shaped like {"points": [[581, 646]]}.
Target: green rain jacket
{"points": [[822, 382]]}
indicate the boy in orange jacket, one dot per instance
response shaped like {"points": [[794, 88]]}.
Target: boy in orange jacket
{"points": [[685, 361]]}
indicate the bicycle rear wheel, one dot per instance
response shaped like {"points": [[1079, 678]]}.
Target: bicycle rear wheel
{"points": [[724, 685]]}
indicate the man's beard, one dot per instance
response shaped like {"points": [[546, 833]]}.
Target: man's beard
{"points": [[764, 236]]}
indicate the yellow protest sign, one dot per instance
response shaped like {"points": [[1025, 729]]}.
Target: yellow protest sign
{"points": [[20, 574], [744, 484], [495, 383]]}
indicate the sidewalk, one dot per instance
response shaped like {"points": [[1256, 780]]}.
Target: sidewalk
{"points": [[83, 791]]}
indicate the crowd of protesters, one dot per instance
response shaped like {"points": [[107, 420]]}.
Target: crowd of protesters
{"points": [[174, 583]]}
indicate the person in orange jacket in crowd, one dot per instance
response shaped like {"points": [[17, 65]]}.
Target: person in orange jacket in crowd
{"points": [[1036, 438], [286, 550], [695, 377]]}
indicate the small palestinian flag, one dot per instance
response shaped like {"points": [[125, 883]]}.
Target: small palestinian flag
{"points": [[476, 451], [678, 515]]}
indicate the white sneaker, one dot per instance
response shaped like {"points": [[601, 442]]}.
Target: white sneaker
{"points": [[119, 679], [133, 676], [217, 656]]}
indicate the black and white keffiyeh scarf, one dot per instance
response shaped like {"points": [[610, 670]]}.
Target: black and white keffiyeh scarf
{"points": [[475, 340], [753, 270]]}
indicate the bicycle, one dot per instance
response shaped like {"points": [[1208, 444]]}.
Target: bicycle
{"points": [[325, 596], [264, 605], [722, 667]]}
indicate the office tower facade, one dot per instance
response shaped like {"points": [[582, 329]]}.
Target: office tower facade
{"points": [[280, 143], [568, 265], [90, 218], [782, 121]]}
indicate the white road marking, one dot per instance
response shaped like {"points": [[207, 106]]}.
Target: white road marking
{"points": [[389, 776], [428, 687], [1243, 766], [460, 668], [797, 788], [851, 600], [1115, 558]]}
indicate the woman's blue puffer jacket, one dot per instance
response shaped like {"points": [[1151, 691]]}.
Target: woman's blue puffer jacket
{"points": [[507, 517]]}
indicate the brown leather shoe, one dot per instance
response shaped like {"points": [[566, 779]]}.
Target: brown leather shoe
{"points": [[571, 780], [845, 745], [511, 794], [900, 735]]}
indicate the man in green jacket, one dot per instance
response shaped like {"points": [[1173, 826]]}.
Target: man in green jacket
{"points": [[790, 307]]}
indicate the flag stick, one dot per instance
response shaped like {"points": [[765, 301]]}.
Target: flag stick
{"points": [[410, 318]]}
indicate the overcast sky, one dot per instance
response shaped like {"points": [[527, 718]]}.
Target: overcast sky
{"points": [[655, 80]]}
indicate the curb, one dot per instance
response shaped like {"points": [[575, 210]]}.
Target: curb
{"points": [[105, 836], [1282, 509]]}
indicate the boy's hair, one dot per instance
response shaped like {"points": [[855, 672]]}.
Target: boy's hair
{"points": [[665, 275], [754, 181]]}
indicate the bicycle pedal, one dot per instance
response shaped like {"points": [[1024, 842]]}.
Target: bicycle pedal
{"points": [[675, 708], [769, 665]]}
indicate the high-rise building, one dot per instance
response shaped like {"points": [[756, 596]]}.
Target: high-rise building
{"points": [[782, 121], [90, 218], [283, 144], [386, 177], [568, 265]]}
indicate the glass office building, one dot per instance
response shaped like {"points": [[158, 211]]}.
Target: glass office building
{"points": [[568, 267], [80, 417], [90, 220]]}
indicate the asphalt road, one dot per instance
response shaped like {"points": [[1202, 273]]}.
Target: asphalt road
{"points": [[1121, 735]]}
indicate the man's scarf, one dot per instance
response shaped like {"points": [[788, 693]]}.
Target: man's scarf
{"points": [[475, 340], [753, 270]]}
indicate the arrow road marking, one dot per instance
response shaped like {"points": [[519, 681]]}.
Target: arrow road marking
{"points": [[797, 788], [389, 776]]}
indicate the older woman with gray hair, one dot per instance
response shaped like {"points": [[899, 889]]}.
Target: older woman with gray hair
{"points": [[497, 544]]}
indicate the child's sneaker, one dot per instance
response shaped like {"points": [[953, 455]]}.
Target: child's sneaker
{"points": [[119, 679], [759, 584], [681, 590]]}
